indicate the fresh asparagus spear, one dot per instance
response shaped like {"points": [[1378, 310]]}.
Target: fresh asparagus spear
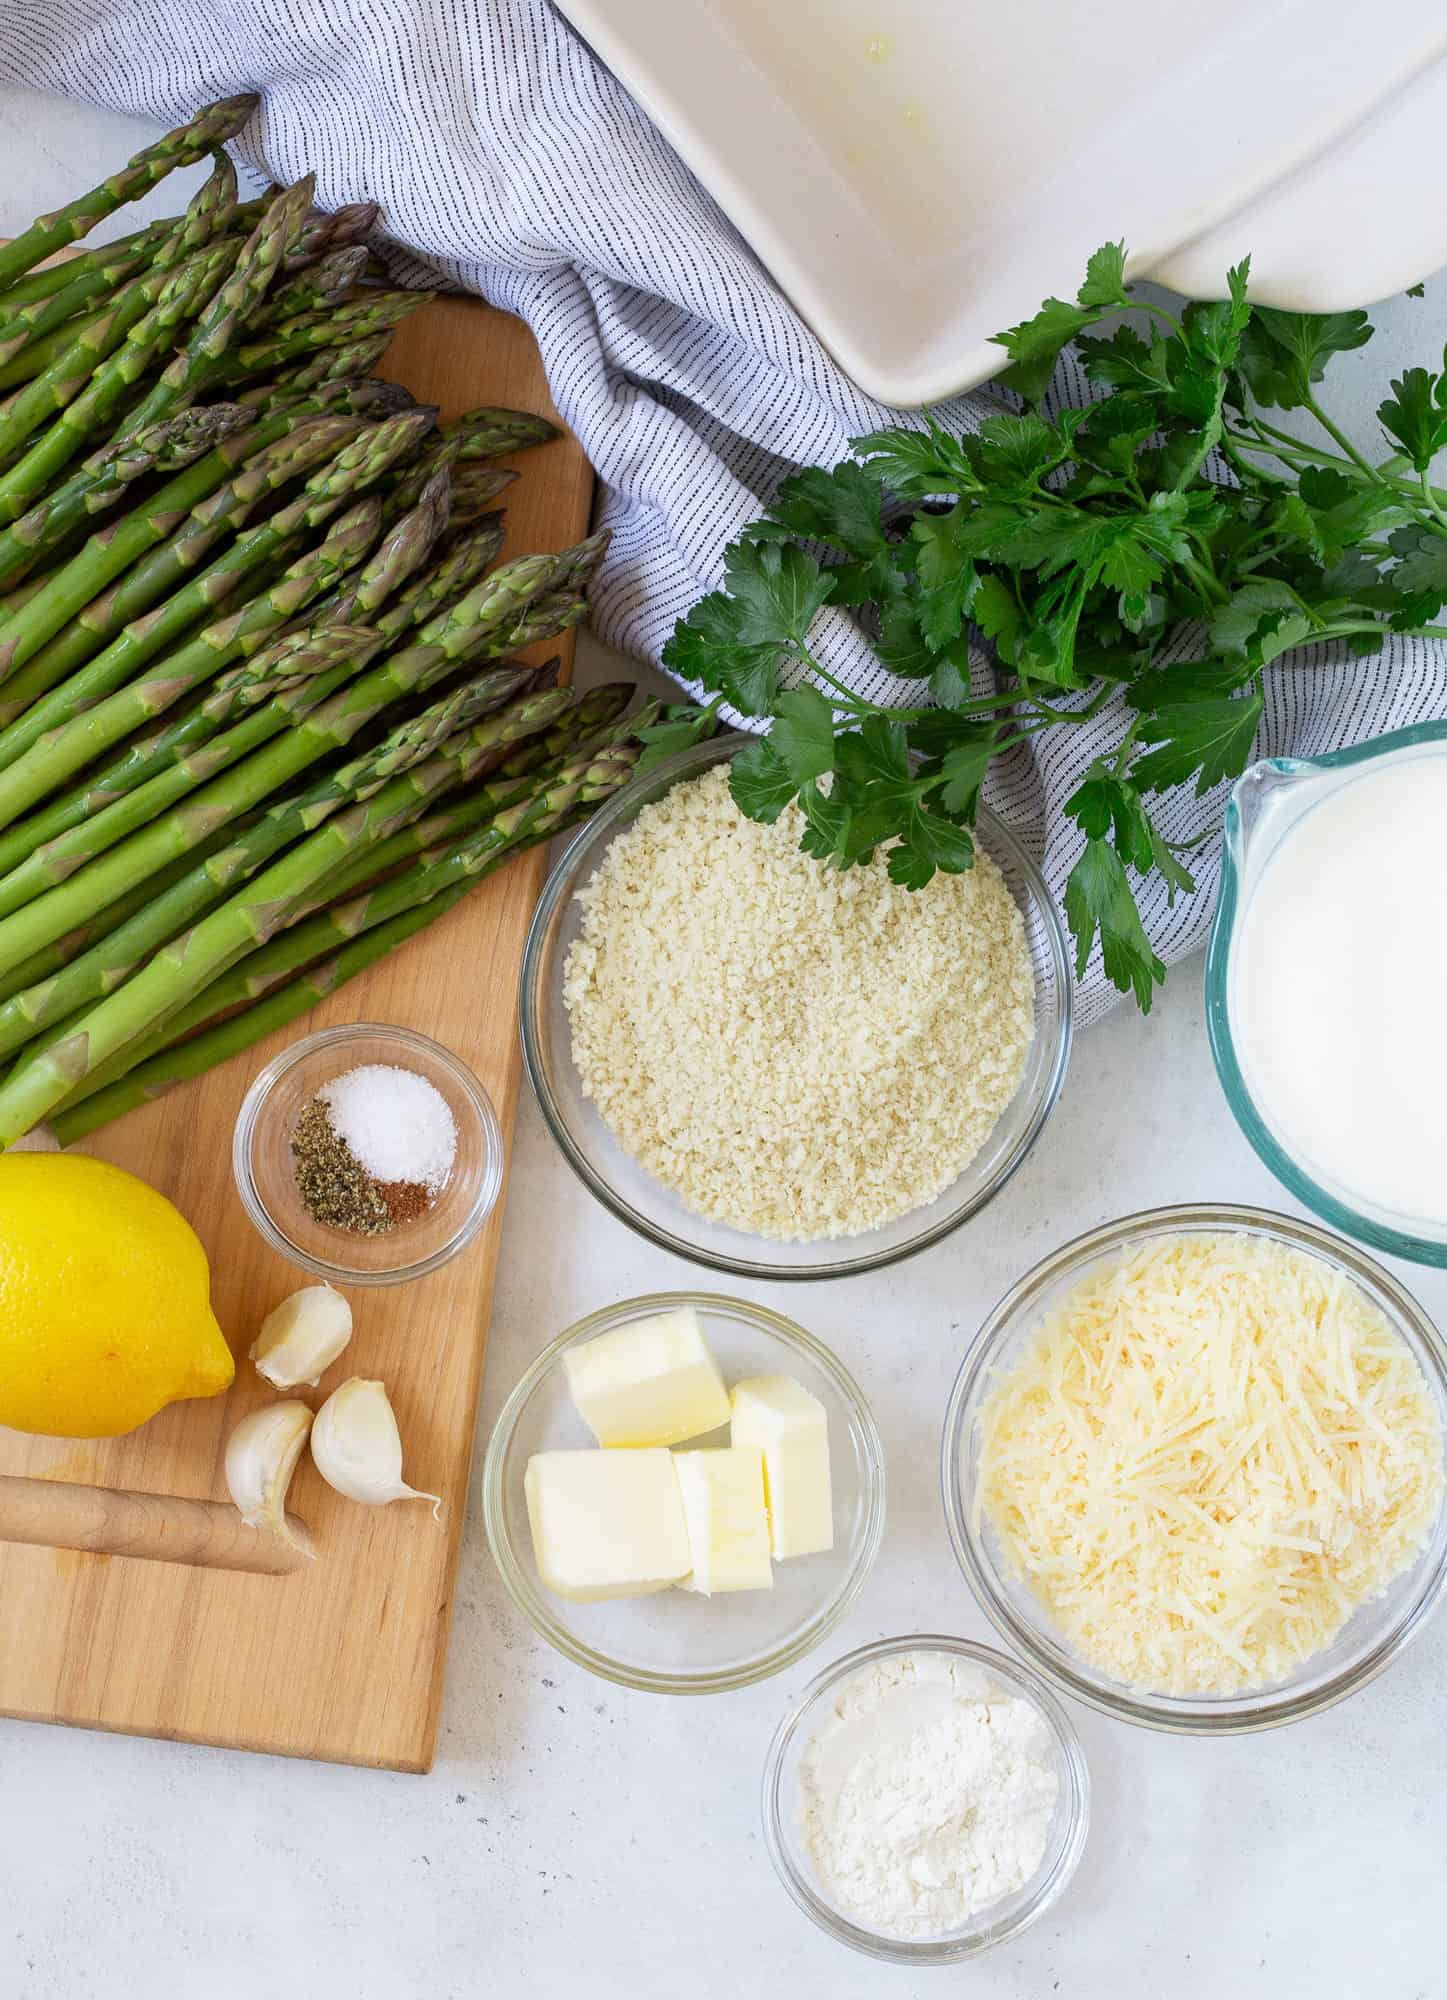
{"points": [[321, 233], [366, 453], [58, 753], [210, 128], [106, 557], [591, 724], [52, 309], [174, 748], [447, 640], [355, 359], [64, 378], [475, 487], [204, 221], [48, 279], [420, 769], [278, 450], [165, 447], [183, 967], [463, 561], [228, 312], [360, 318], [193, 277], [86, 413], [203, 1052], [130, 606], [42, 964], [494, 432], [330, 278], [448, 870], [370, 933]]}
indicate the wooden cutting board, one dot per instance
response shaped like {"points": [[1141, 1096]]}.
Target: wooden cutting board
{"points": [[346, 1660]]}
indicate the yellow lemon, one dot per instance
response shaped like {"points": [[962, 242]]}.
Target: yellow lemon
{"points": [[105, 1313]]}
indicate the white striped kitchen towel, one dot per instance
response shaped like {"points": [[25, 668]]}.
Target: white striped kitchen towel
{"points": [[510, 162]]}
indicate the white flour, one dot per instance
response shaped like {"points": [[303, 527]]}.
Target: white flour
{"points": [[928, 1795]]}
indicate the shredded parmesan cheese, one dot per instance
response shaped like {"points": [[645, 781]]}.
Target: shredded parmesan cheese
{"points": [[1213, 1452], [794, 1050]]}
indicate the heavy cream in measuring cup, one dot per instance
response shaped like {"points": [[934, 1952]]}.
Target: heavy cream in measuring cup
{"points": [[1338, 986]]}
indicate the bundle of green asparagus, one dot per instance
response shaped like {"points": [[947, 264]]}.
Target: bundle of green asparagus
{"points": [[260, 714]]}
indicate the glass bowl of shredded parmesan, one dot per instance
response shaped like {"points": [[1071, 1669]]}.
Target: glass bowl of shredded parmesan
{"points": [[777, 1068], [1193, 1468]]}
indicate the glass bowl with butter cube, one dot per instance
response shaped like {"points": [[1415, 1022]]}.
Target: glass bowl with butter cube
{"points": [[685, 1493]]}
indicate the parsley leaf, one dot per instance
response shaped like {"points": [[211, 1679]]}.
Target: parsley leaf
{"points": [[803, 734], [917, 465], [1034, 345], [1104, 277], [760, 782], [1284, 354], [1098, 899], [779, 590], [929, 842], [707, 647], [1207, 740], [843, 508], [1416, 417], [1421, 565], [678, 728]]}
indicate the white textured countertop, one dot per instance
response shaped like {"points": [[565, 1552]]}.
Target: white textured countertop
{"points": [[577, 1837]]}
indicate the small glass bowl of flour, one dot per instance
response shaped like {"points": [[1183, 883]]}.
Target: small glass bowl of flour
{"points": [[924, 1799]]}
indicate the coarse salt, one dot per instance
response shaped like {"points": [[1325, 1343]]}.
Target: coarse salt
{"points": [[398, 1125]]}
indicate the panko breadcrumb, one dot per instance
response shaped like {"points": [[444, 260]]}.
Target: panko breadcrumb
{"points": [[794, 1050]]}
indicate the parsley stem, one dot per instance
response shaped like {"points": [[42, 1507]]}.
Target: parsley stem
{"points": [[1127, 744], [1429, 498], [1149, 306], [1344, 443], [1207, 586], [847, 698]]}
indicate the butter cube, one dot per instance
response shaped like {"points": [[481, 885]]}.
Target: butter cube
{"points": [[728, 1526], [790, 1427], [606, 1523], [650, 1382]]}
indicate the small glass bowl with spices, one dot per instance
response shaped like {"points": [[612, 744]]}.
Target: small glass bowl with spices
{"points": [[368, 1155]]}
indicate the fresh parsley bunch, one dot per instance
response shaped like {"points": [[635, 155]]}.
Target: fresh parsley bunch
{"points": [[1078, 544]]}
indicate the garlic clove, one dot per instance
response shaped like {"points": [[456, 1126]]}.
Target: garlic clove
{"points": [[262, 1453], [357, 1448], [302, 1337]]}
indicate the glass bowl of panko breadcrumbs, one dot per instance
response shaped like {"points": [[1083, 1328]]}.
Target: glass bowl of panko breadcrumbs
{"points": [[774, 1067]]}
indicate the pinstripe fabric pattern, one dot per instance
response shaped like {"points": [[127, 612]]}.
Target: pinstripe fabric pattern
{"points": [[511, 164]]}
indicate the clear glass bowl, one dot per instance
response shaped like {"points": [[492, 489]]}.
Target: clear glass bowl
{"points": [[262, 1163], [675, 1642], [1002, 1920], [1255, 821], [1370, 1641], [637, 1199]]}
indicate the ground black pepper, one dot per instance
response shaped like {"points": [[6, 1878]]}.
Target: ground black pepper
{"points": [[334, 1186]]}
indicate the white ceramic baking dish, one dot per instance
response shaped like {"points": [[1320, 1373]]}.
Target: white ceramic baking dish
{"points": [[920, 173]]}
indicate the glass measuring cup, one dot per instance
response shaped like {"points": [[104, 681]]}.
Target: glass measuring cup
{"points": [[1267, 802]]}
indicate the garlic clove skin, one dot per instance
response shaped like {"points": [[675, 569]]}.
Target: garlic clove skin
{"points": [[302, 1337], [262, 1453], [357, 1447]]}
